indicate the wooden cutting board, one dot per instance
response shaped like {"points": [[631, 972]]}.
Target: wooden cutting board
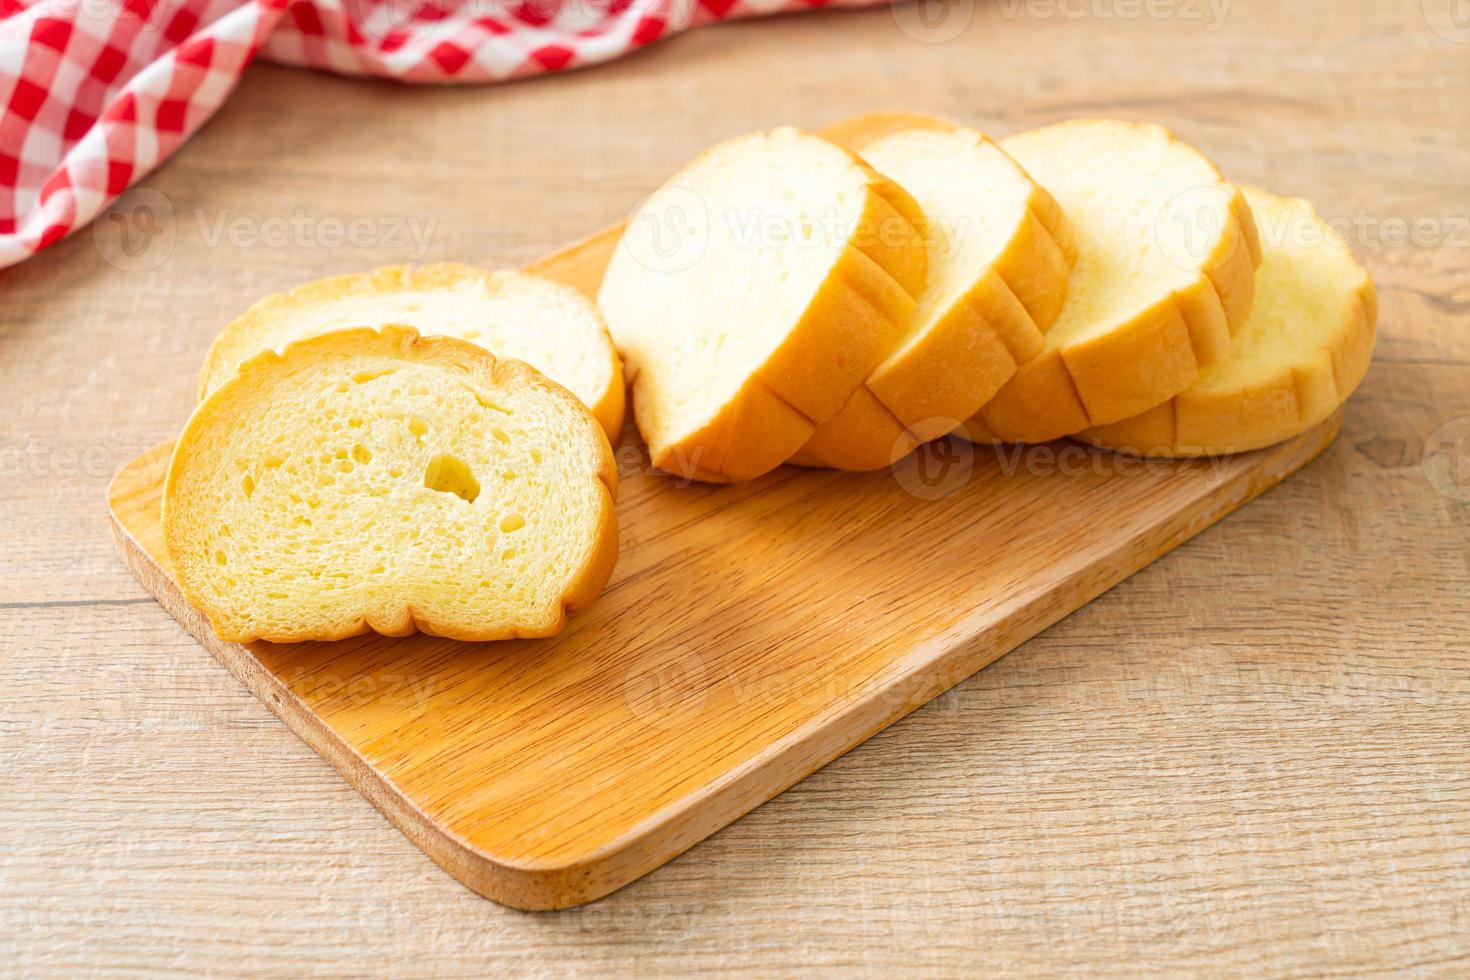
{"points": [[749, 635]]}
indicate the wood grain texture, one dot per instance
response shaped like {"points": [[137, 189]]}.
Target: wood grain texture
{"points": [[1249, 758], [749, 635]]}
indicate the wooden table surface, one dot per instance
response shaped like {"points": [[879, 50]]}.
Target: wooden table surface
{"points": [[1253, 756]]}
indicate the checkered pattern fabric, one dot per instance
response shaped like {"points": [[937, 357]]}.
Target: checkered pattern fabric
{"points": [[95, 93]]}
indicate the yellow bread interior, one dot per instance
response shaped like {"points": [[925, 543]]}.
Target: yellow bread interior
{"points": [[547, 324], [753, 293], [377, 480], [1299, 355], [1000, 253], [1166, 252]]}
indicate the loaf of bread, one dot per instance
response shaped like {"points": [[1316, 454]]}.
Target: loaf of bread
{"points": [[1000, 253], [754, 293], [379, 480], [547, 324], [1165, 273], [1302, 350], [779, 299]]}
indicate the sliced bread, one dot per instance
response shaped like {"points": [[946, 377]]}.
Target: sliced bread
{"points": [[547, 324], [753, 293], [1167, 253], [376, 480], [1297, 358], [1000, 253]]}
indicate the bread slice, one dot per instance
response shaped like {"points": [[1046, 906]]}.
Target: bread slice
{"points": [[753, 293], [376, 480], [1167, 252], [1297, 358], [547, 324], [1000, 253]]}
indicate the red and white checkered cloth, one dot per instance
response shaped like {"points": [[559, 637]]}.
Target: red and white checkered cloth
{"points": [[95, 93]]}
